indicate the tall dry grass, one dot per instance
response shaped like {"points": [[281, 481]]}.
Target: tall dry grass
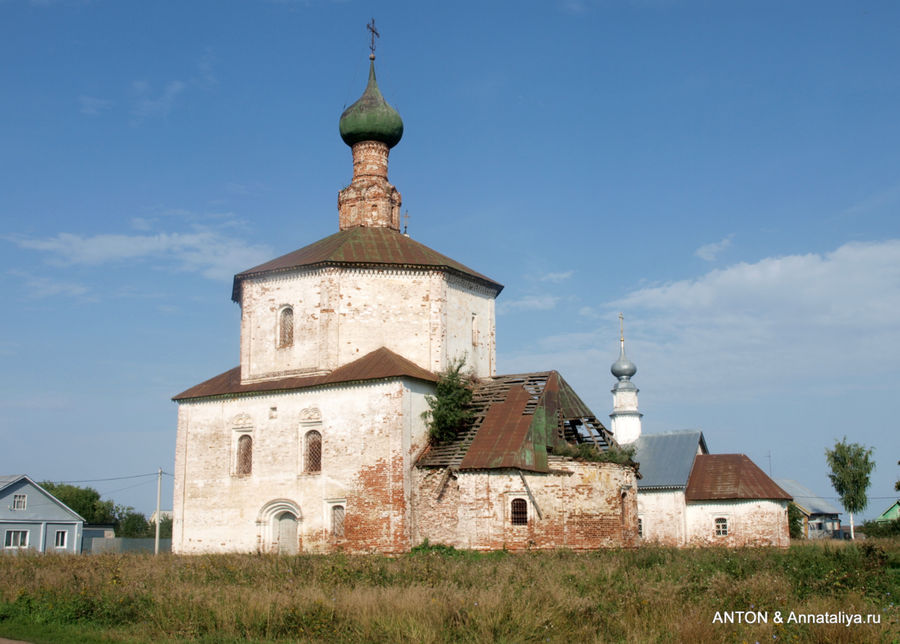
{"points": [[645, 595]]}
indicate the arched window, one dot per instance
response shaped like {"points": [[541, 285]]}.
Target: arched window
{"points": [[519, 514], [286, 327], [721, 527], [244, 456], [313, 452], [337, 521]]}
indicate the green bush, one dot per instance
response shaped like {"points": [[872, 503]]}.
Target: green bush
{"points": [[449, 409], [589, 452], [882, 529]]}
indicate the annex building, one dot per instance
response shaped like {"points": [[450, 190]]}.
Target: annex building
{"points": [[688, 496], [315, 442]]}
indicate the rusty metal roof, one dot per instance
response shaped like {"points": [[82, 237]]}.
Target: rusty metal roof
{"points": [[730, 476], [362, 246], [517, 420], [377, 365]]}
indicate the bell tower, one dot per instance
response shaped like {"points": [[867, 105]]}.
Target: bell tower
{"points": [[625, 419]]}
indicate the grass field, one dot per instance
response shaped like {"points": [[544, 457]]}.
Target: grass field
{"points": [[440, 595]]}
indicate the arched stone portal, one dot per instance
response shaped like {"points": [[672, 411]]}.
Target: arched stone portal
{"points": [[278, 527]]}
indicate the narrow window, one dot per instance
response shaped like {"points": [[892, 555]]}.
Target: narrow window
{"points": [[60, 538], [244, 456], [286, 327], [474, 330], [17, 538], [519, 512], [337, 521], [640, 528], [721, 527], [313, 452], [19, 501]]}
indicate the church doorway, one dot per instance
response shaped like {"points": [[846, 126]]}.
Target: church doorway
{"points": [[287, 533], [278, 526]]}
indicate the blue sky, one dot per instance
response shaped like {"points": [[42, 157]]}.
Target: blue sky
{"points": [[726, 174]]}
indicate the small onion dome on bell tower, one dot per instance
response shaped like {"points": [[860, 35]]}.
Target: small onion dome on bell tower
{"points": [[623, 368], [371, 118]]}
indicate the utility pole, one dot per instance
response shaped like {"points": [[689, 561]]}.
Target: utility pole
{"points": [[158, 494]]}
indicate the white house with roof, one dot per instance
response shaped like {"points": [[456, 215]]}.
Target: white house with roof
{"points": [[33, 519]]}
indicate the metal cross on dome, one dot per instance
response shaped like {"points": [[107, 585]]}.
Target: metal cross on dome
{"points": [[375, 34]]}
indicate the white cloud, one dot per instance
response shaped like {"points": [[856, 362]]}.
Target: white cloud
{"points": [[709, 252], [782, 324], [557, 277], [148, 105], [529, 303], [203, 250], [142, 223], [38, 287], [93, 106]]}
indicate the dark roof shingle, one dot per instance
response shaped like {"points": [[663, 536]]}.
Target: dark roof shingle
{"points": [[730, 476], [377, 365], [363, 246]]}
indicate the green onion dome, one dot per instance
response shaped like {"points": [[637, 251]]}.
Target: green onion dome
{"points": [[371, 118]]}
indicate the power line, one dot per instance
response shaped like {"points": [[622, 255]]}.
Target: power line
{"points": [[116, 478]]}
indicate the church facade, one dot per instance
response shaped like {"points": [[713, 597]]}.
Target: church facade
{"points": [[316, 441]]}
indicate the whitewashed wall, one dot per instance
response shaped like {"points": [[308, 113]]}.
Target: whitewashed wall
{"points": [[371, 434], [662, 513], [342, 314], [750, 523]]}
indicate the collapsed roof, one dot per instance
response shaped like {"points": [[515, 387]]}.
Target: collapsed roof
{"points": [[517, 420]]}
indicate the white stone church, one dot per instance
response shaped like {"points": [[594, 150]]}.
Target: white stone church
{"points": [[316, 441]]}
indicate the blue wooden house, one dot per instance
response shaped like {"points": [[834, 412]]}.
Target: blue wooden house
{"points": [[33, 519]]}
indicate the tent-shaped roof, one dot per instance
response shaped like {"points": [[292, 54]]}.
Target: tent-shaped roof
{"points": [[377, 365], [666, 459], [730, 476], [516, 419], [366, 247], [806, 499]]}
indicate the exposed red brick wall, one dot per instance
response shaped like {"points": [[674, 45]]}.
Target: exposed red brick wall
{"points": [[582, 506]]}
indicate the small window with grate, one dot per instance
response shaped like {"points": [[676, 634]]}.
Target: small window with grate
{"points": [[337, 521], [244, 464], [519, 513], [286, 327], [640, 528], [721, 527], [313, 452]]}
